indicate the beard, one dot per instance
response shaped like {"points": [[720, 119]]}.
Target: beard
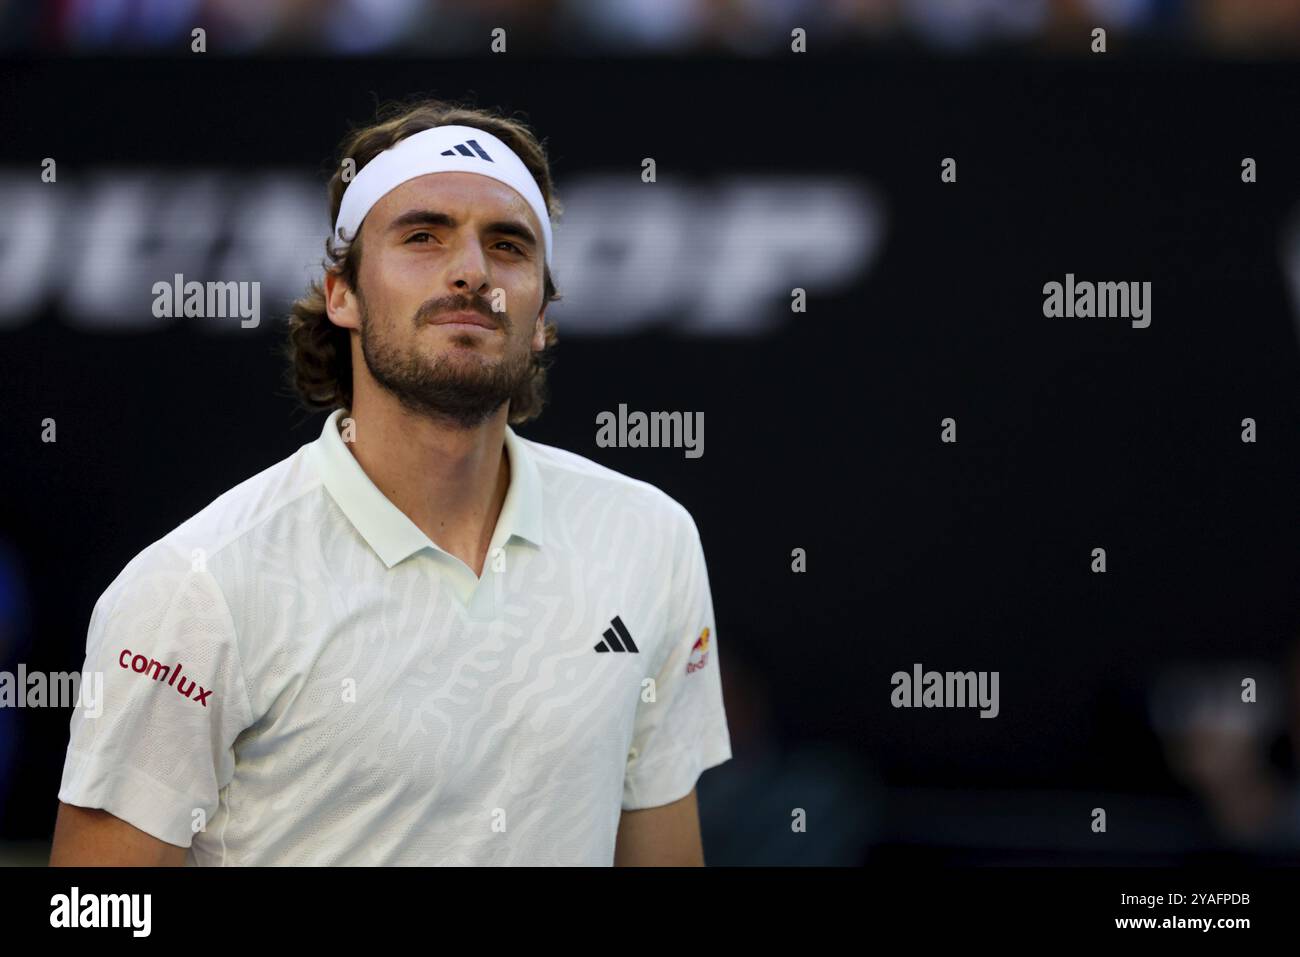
{"points": [[463, 389]]}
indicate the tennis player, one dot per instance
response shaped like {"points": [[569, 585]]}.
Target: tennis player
{"points": [[421, 638]]}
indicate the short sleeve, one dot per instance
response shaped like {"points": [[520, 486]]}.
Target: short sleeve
{"points": [[164, 699], [683, 731]]}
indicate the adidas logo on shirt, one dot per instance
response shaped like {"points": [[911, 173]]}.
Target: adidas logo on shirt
{"points": [[617, 638], [464, 150]]}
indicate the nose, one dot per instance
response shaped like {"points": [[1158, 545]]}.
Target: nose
{"points": [[469, 268]]}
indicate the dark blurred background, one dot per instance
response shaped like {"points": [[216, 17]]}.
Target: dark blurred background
{"points": [[775, 170]]}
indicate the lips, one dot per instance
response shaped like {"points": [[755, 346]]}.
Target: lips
{"points": [[467, 318]]}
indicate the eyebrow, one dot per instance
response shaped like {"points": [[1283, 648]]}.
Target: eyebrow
{"points": [[430, 217]]}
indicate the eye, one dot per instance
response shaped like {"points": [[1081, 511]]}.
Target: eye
{"points": [[416, 236], [513, 246]]}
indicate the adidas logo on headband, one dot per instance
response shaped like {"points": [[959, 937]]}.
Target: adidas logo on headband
{"points": [[463, 150]]}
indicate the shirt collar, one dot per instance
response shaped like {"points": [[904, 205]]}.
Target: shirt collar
{"points": [[384, 526]]}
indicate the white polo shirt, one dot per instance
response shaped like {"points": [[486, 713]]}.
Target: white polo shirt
{"points": [[299, 675]]}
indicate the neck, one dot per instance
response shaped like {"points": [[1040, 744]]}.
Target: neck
{"points": [[450, 482]]}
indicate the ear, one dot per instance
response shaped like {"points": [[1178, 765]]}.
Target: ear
{"points": [[539, 331], [341, 302]]}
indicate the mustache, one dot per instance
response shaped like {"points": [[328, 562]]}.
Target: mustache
{"points": [[436, 307]]}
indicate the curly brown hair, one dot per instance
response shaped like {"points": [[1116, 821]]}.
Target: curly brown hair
{"points": [[319, 352]]}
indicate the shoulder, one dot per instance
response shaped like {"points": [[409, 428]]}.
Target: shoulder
{"points": [[573, 478], [183, 557]]}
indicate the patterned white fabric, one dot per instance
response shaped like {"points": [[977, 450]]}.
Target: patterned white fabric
{"points": [[371, 701]]}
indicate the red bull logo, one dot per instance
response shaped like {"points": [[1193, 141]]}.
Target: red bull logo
{"points": [[699, 653]]}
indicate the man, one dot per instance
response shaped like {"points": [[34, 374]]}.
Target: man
{"points": [[420, 639]]}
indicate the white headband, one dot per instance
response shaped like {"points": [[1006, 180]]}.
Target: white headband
{"points": [[443, 149]]}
